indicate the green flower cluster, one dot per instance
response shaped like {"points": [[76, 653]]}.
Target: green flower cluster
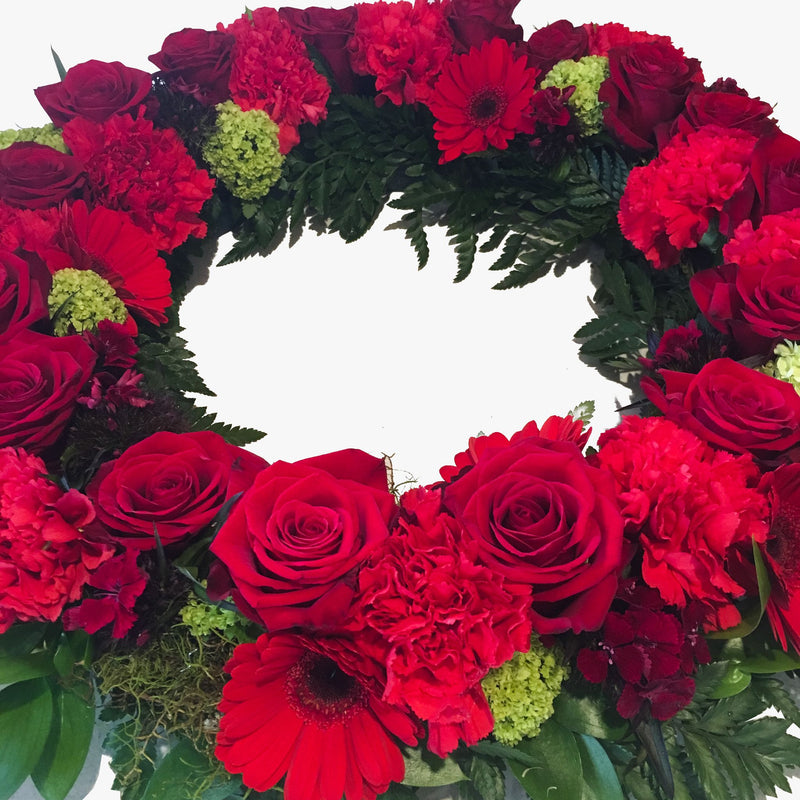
{"points": [[243, 151], [48, 134], [586, 75], [79, 299], [202, 618], [786, 364], [521, 691]]}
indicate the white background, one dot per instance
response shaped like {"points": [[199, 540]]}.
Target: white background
{"points": [[326, 346]]}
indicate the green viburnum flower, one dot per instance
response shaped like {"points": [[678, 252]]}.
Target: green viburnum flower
{"points": [[586, 75], [243, 152], [48, 134], [202, 618], [80, 298], [786, 364], [521, 691]]}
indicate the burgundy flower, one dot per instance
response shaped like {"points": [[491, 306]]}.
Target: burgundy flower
{"points": [[775, 171], [24, 285], [196, 63], [36, 176], [94, 90], [647, 87], [679, 348], [556, 42], [328, 31], [477, 21]]}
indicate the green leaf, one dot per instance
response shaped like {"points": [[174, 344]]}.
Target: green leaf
{"points": [[62, 73], [67, 745], [23, 668], [583, 411], [770, 662], [21, 640], [179, 775], [425, 769], [600, 781], [558, 774], [487, 777], [26, 712], [734, 681], [590, 714]]}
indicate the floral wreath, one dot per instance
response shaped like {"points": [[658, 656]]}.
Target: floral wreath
{"points": [[571, 621]]}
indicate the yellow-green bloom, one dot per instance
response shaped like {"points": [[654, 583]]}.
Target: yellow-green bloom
{"points": [[243, 151], [79, 299], [202, 618], [586, 75], [48, 134], [521, 691], [786, 364]]}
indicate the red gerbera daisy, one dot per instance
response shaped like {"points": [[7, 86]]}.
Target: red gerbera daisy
{"points": [[108, 243], [482, 98], [290, 710]]}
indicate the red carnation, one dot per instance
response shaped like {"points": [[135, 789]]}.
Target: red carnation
{"points": [[601, 38], [144, 171], [26, 228], [686, 506], [45, 559], [94, 90], [439, 618], [404, 46], [271, 71], [292, 708], [482, 99], [669, 203], [777, 238]]}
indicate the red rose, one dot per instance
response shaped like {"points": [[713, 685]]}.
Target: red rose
{"points": [[647, 87], [293, 541], [758, 305], [24, 285], [37, 176], [476, 21], [328, 31], [775, 170], [41, 377], [94, 90], [170, 483], [733, 407], [197, 63], [555, 42], [726, 109], [543, 516]]}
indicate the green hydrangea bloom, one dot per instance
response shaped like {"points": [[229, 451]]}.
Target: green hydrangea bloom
{"points": [[80, 298], [243, 151], [586, 75], [202, 618], [48, 134], [521, 692], [786, 364]]}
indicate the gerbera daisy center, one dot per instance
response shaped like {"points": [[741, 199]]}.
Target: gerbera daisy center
{"points": [[486, 106], [319, 691]]}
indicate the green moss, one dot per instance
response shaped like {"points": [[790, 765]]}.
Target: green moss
{"points": [[243, 151], [521, 692], [586, 75]]}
